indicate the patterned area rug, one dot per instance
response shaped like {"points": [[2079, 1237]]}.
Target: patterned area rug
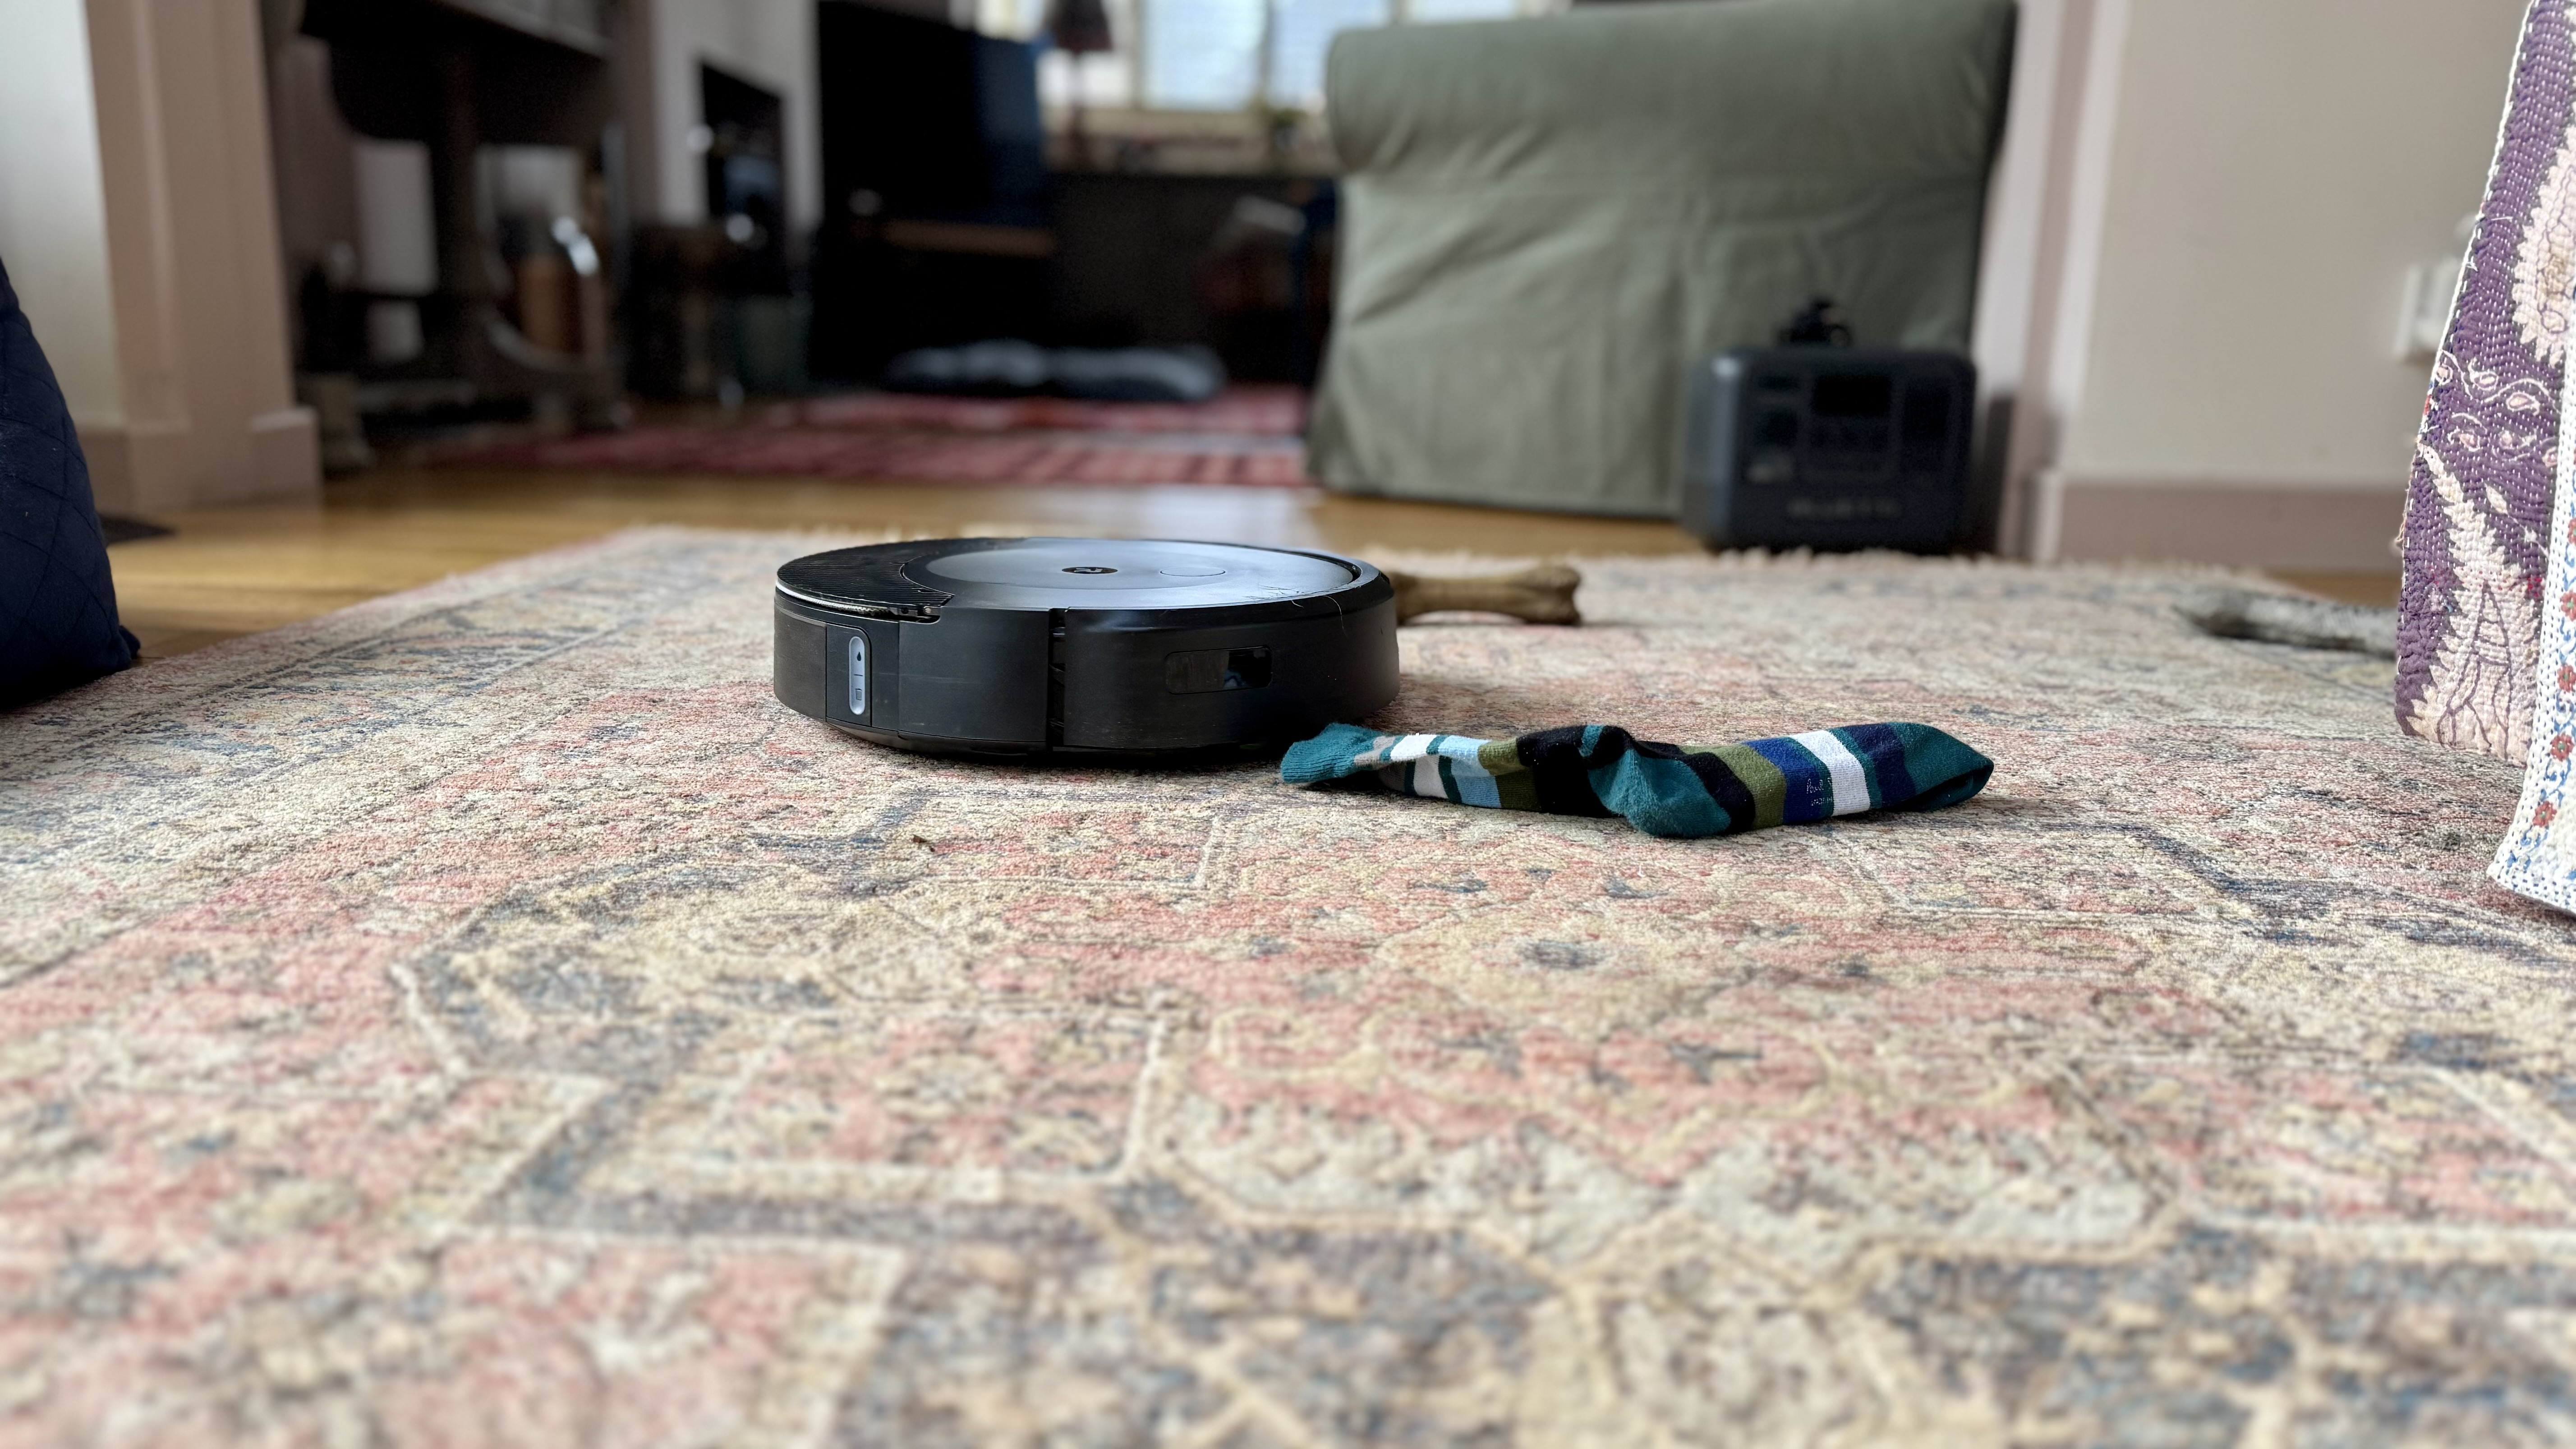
{"points": [[485, 1016], [1249, 436]]}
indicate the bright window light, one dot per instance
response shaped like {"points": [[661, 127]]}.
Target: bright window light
{"points": [[1221, 55], [1438, 10], [1302, 33], [1203, 55]]}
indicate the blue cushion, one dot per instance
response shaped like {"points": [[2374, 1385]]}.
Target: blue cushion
{"points": [[57, 604]]}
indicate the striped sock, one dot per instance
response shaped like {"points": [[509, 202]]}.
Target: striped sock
{"points": [[1673, 790]]}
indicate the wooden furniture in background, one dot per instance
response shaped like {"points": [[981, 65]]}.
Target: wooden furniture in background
{"points": [[1168, 258], [464, 76]]}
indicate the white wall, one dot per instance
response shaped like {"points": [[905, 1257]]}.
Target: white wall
{"points": [[53, 214], [2274, 168], [767, 42], [138, 213]]}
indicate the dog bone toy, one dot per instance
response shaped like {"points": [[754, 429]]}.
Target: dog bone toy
{"points": [[1540, 595]]}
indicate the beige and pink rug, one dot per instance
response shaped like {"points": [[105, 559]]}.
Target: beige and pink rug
{"points": [[486, 1017]]}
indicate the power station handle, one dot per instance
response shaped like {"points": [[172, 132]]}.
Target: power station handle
{"points": [[1541, 595]]}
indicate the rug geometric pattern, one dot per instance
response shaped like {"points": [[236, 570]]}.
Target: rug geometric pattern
{"points": [[485, 1016]]}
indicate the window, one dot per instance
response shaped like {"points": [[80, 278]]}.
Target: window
{"points": [[1302, 32], [1222, 55], [1201, 55]]}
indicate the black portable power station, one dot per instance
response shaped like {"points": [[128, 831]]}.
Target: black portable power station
{"points": [[1829, 448]]}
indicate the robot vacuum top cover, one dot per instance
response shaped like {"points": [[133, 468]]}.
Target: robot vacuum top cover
{"points": [[1028, 646]]}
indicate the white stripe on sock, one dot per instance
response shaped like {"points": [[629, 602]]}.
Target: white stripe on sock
{"points": [[1851, 782], [1411, 747], [1426, 779]]}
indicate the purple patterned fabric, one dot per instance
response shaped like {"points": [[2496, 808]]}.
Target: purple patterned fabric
{"points": [[2478, 510]]}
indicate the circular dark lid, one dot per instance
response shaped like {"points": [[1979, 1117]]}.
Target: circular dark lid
{"points": [[920, 576]]}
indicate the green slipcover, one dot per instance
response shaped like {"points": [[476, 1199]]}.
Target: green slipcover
{"points": [[1547, 221]]}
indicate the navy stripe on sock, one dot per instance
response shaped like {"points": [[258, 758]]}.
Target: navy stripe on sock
{"points": [[1886, 754], [1725, 787], [1559, 771]]}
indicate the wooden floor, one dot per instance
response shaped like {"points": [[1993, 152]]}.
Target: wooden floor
{"points": [[231, 571]]}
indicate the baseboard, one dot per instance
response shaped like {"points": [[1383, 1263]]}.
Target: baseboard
{"points": [[2342, 528], [285, 455], [146, 471], [111, 471], [140, 471]]}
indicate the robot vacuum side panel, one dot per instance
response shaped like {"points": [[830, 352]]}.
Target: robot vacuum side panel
{"points": [[976, 674], [796, 663], [1158, 689]]}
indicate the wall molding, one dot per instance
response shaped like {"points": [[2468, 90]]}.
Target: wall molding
{"points": [[196, 287], [2050, 199], [139, 471], [2327, 528]]}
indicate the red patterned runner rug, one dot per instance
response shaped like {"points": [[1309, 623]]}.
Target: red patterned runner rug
{"points": [[1247, 437]]}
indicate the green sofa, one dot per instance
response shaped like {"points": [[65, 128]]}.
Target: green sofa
{"points": [[1547, 221]]}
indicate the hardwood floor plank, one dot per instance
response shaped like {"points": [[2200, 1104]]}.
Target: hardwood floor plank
{"points": [[2377, 589]]}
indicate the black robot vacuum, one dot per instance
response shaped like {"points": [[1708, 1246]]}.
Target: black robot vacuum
{"points": [[1022, 647]]}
